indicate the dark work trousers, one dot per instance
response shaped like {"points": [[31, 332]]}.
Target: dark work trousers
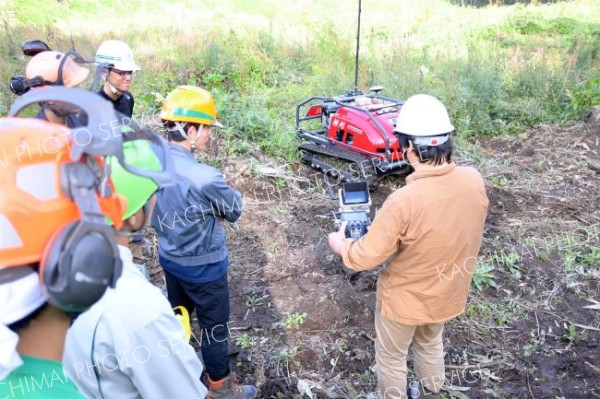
{"points": [[211, 301]]}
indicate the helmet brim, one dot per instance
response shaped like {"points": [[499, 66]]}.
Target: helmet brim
{"points": [[127, 66], [78, 76], [218, 125]]}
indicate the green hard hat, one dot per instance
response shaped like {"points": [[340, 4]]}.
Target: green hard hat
{"points": [[136, 189]]}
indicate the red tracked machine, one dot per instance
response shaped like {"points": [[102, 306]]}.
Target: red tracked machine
{"points": [[355, 139], [351, 137]]}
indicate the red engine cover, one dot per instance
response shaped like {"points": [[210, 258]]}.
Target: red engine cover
{"points": [[354, 130]]}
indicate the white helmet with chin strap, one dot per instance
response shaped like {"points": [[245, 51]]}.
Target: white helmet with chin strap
{"points": [[425, 120], [116, 54]]}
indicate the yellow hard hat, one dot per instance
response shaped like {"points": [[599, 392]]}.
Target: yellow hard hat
{"points": [[190, 104]]}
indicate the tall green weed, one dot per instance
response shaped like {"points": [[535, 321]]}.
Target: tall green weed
{"points": [[529, 66]]}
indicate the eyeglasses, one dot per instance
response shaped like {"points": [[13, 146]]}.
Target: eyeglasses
{"points": [[122, 73]]}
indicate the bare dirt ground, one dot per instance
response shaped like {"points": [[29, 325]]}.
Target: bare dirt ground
{"points": [[303, 327]]}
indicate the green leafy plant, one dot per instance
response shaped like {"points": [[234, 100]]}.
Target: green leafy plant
{"points": [[592, 258], [500, 181], [586, 94], [532, 347], [341, 345], [245, 341], [294, 320], [483, 277], [510, 260], [254, 301], [581, 259], [571, 336], [286, 355]]}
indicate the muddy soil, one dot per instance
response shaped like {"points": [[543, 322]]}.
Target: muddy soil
{"points": [[531, 329]]}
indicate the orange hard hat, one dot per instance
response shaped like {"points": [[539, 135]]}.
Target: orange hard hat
{"points": [[47, 64], [33, 202]]}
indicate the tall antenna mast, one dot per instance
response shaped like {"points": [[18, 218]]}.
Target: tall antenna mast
{"points": [[357, 50]]}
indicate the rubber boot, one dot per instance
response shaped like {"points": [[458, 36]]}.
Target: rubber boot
{"points": [[227, 389]]}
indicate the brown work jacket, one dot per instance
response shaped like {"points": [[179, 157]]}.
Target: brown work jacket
{"points": [[427, 234]]}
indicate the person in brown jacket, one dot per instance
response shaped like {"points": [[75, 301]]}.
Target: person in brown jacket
{"points": [[428, 235]]}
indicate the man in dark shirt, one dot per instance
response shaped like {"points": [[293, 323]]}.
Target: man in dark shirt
{"points": [[123, 103], [116, 60], [119, 66]]}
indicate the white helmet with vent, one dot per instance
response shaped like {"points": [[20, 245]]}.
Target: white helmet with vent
{"points": [[116, 54], [424, 118]]}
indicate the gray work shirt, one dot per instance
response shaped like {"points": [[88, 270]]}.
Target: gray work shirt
{"points": [[187, 216], [136, 343]]}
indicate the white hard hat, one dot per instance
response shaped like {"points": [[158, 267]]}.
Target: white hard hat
{"points": [[117, 54], [423, 116]]}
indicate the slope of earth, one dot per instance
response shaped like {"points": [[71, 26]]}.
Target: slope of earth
{"points": [[303, 326]]}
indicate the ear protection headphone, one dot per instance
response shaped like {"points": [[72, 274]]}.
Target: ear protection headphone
{"points": [[81, 260], [20, 85]]}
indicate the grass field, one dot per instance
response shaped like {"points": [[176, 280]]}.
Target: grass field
{"points": [[499, 69]]}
